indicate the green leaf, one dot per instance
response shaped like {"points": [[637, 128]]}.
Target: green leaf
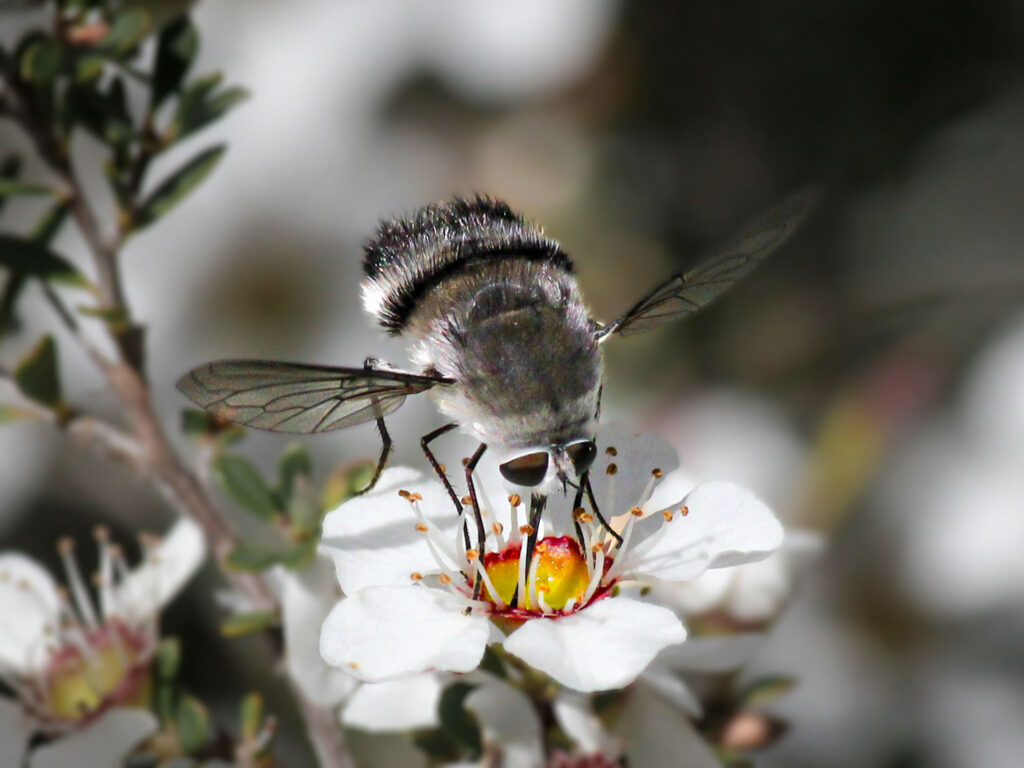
{"points": [[193, 722], [765, 689], [251, 716], [299, 556], [252, 557], [41, 60], [128, 30], [10, 187], [345, 482], [32, 258], [89, 67], [303, 511], [247, 623], [174, 189], [36, 374], [9, 413], [175, 52], [456, 721], [111, 315], [10, 167], [201, 105], [295, 463], [168, 659], [242, 481]]}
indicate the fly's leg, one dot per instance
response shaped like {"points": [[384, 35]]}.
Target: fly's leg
{"points": [[537, 505], [585, 484], [425, 442], [385, 453], [481, 535]]}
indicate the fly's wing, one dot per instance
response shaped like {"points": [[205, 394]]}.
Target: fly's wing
{"points": [[686, 293], [299, 399]]}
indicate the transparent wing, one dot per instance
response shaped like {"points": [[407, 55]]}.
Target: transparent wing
{"points": [[299, 399], [686, 293]]}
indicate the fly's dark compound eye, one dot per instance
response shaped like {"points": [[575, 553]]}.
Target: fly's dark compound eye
{"points": [[530, 469], [582, 455]]}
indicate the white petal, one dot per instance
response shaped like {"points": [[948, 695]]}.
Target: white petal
{"points": [[396, 705], [651, 731], [578, 721], [603, 646], [373, 538], [713, 653], [15, 731], [306, 598], [381, 633], [103, 744], [666, 683], [28, 592], [669, 493], [509, 723], [692, 598], [725, 525], [165, 571], [637, 455]]}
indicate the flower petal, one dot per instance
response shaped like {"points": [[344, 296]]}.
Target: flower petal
{"points": [[396, 705], [165, 571], [713, 653], [15, 731], [509, 723], [603, 646], [666, 683], [101, 744], [725, 525], [373, 538], [577, 720], [651, 731], [306, 598], [637, 455], [381, 633], [29, 592]]}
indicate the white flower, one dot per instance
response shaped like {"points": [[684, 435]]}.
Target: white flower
{"points": [[307, 597], [419, 599], [77, 666], [952, 495], [731, 434]]}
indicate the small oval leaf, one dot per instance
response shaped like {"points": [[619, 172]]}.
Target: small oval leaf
{"points": [[36, 374], [174, 189], [242, 481], [32, 258]]}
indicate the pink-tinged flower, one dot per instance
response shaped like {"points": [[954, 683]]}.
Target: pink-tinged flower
{"points": [[420, 599], [78, 665]]}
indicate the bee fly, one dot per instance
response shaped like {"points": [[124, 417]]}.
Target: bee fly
{"points": [[499, 333]]}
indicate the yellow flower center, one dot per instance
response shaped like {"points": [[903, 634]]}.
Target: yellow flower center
{"points": [[561, 574], [82, 681]]}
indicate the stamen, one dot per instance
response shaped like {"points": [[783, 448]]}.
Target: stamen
{"points": [[105, 578], [486, 579], [627, 530], [66, 547], [684, 510], [667, 514], [532, 578], [521, 579], [569, 605], [497, 529], [544, 607], [435, 539], [596, 576], [513, 502], [611, 451], [416, 576]]}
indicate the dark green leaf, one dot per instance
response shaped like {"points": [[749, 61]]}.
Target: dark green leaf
{"points": [[247, 623], [251, 557], [174, 189], [41, 60], [295, 462], [118, 128], [175, 52], [10, 167], [10, 187], [456, 721], [112, 316], [251, 716], [36, 374], [31, 258], [303, 511], [193, 722], [49, 223], [127, 31], [242, 481]]}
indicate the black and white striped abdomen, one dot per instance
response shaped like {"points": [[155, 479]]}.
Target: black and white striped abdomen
{"points": [[409, 257]]}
